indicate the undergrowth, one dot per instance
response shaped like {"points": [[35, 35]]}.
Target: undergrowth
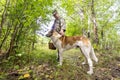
{"points": [[41, 64]]}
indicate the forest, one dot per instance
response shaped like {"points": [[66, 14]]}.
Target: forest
{"points": [[24, 51]]}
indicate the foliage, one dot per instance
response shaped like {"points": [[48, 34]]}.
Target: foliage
{"points": [[26, 54], [19, 29]]}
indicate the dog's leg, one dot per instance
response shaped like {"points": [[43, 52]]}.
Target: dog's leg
{"points": [[86, 52], [60, 57], [93, 56], [90, 66], [85, 57]]}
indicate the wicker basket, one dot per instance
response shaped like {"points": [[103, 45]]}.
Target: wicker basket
{"points": [[51, 46]]}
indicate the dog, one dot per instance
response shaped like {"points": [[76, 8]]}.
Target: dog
{"points": [[63, 43]]}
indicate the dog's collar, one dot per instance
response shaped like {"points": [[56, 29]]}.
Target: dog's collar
{"points": [[55, 40]]}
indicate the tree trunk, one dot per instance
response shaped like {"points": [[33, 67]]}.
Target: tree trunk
{"points": [[6, 35], [12, 40], [20, 32], [4, 16], [94, 23]]}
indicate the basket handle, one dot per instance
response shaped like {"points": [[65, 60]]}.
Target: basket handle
{"points": [[50, 41]]}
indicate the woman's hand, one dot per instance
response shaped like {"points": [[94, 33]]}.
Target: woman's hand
{"points": [[62, 32]]}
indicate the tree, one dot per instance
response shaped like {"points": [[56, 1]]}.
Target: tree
{"points": [[20, 26], [94, 22]]}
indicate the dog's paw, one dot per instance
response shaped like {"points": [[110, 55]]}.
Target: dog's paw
{"points": [[60, 63], [96, 60], [83, 63], [90, 72]]}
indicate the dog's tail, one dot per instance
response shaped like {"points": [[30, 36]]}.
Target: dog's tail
{"points": [[93, 56]]}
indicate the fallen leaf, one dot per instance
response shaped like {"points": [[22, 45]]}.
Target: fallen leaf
{"points": [[118, 64], [20, 70], [26, 75], [51, 76], [46, 76]]}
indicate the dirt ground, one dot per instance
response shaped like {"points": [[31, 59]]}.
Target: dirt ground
{"points": [[108, 68]]}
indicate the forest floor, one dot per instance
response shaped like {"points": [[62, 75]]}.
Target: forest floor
{"points": [[41, 64]]}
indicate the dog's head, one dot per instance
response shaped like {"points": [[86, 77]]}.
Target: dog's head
{"points": [[53, 34], [56, 34]]}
